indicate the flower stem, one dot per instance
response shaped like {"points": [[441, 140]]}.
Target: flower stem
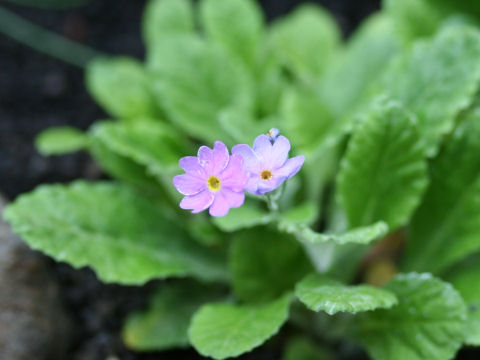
{"points": [[273, 197], [272, 203]]}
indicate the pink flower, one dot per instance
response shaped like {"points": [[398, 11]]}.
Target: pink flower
{"points": [[267, 163], [212, 180]]}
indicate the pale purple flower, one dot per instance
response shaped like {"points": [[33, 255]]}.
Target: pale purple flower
{"points": [[212, 180], [267, 163]]}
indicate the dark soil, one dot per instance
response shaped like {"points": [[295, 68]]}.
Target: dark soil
{"points": [[37, 92]]}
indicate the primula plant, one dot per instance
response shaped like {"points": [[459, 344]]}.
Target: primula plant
{"points": [[373, 245]]}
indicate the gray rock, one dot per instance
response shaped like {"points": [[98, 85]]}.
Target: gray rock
{"points": [[33, 325]]}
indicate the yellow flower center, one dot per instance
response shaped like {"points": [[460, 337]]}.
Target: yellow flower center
{"points": [[214, 183], [266, 175]]}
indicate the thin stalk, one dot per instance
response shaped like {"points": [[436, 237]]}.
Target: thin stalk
{"points": [[43, 40], [272, 203]]}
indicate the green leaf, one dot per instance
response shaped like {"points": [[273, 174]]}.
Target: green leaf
{"points": [[343, 261], [428, 322], [303, 214], [344, 87], [306, 41], [321, 166], [119, 166], [271, 81], [465, 280], [383, 173], [236, 25], [155, 145], [308, 120], [445, 227], [470, 7], [203, 231], [121, 86], [125, 237], [246, 216], [265, 264], [143, 152], [60, 140], [414, 18], [436, 80], [301, 348], [166, 17], [164, 324], [223, 330], [243, 128], [319, 293], [361, 235], [195, 81]]}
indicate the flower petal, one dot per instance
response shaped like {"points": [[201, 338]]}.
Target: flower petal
{"points": [[235, 198], [291, 167], [188, 184], [250, 160], [263, 147], [280, 150], [192, 166], [213, 161], [198, 202], [265, 186], [224, 200], [252, 184], [220, 156], [234, 176], [205, 159]]}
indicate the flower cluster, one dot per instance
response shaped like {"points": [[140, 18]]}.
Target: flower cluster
{"points": [[216, 180]]}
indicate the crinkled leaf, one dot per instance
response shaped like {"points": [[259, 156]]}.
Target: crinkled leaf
{"points": [[221, 330], [305, 41], [195, 81], [436, 79], [121, 86], [166, 17], [125, 237], [361, 235], [60, 140], [445, 227], [319, 293], [164, 324], [466, 280], [246, 216], [428, 322], [383, 173], [237, 25], [347, 80], [265, 264]]}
